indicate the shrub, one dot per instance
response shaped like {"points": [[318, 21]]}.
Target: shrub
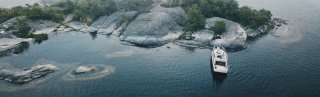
{"points": [[171, 3], [23, 28], [38, 38], [219, 27], [142, 6], [186, 37]]}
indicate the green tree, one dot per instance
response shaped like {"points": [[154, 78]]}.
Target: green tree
{"points": [[24, 31], [228, 9], [172, 3], [68, 5], [23, 28], [219, 27], [252, 18], [196, 20], [90, 10], [143, 6]]}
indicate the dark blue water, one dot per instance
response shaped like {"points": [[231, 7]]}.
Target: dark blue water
{"points": [[281, 65]]}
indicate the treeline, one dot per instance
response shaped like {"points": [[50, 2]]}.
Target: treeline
{"points": [[32, 12], [89, 10], [229, 9], [84, 10]]}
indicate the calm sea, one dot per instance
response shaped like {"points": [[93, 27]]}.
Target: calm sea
{"points": [[283, 64]]}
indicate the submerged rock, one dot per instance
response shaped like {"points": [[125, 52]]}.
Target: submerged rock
{"points": [[27, 75], [82, 69], [89, 72], [151, 29]]}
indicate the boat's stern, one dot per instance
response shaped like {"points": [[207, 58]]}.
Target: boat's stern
{"points": [[220, 69]]}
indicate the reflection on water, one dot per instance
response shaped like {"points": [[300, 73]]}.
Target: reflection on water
{"points": [[41, 39], [218, 78], [93, 35], [20, 48]]}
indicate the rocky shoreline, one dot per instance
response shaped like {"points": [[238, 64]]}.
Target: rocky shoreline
{"points": [[156, 28]]}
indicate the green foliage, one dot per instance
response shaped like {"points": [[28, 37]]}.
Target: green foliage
{"points": [[230, 9], [216, 8], [172, 3], [196, 20], [24, 31], [6, 14], [188, 3], [83, 10], [253, 18], [23, 28], [68, 5], [36, 12], [38, 38], [33, 12], [219, 27], [143, 6], [186, 37], [220, 8], [87, 10]]}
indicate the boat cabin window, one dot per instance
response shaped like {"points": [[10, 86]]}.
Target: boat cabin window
{"points": [[221, 63]]}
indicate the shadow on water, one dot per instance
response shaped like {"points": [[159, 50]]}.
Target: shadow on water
{"points": [[20, 48], [93, 35], [217, 78], [40, 41]]}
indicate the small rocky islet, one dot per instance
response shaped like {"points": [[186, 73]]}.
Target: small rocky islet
{"points": [[28, 74], [88, 72]]}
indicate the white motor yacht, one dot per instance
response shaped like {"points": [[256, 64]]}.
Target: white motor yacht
{"points": [[219, 60]]}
